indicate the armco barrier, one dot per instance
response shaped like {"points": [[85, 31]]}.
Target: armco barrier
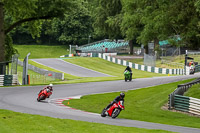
{"points": [[187, 104], [143, 67], [183, 103], [8, 80], [43, 71]]}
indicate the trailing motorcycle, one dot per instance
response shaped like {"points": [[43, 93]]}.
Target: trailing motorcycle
{"points": [[43, 94], [114, 110], [127, 76]]}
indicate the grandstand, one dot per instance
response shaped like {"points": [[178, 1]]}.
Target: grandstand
{"points": [[104, 46]]}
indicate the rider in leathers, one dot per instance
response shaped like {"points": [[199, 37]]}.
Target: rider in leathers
{"points": [[116, 100], [49, 89], [128, 69]]}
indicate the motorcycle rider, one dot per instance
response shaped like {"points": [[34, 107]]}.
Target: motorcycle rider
{"points": [[49, 89], [128, 69], [116, 100]]}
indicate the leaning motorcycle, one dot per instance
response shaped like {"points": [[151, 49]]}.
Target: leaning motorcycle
{"points": [[127, 76], [43, 94], [114, 110]]}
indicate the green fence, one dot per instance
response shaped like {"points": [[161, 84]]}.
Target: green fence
{"points": [[8, 80], [183, 103]]}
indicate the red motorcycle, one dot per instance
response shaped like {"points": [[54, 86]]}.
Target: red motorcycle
{"points": [[114, 110], [43, 94]]}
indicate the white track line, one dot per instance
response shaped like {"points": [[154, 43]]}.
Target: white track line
{"points": [[58, 103]]}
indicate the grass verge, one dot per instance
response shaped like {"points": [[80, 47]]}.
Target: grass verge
{"points": [[41, 51], [143, 104], [194, 91], [24, 123], [96, 64], [110, 68]]}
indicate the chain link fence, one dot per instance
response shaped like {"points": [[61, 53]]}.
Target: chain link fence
{"points": [[149, 60], [14, 64], [54, 75]]}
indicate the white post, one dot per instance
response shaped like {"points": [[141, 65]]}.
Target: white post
{"points": [[70, 48]]}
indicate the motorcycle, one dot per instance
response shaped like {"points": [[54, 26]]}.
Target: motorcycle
{"points": [[43, 94], [114, 110], [192, 70], [127, 76]]}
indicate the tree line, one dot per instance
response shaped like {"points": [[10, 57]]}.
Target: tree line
{"points": [[77, 22]]}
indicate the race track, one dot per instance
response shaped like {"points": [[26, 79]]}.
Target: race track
{"points": [[23, 99], [69, 68]]}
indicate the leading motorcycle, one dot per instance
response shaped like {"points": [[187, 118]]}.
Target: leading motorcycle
{"points": [[43, 94], [114, 110]]}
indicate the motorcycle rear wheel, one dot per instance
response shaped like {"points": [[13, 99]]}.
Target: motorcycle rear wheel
{"points": [[115, 113], [103, 113]]}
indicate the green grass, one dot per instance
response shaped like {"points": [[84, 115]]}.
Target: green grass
{"points": [[158, 63], [110, 68], [12, 122], [97, 64], [175, 61], [143, 104], [194, 91], [41, 51]]}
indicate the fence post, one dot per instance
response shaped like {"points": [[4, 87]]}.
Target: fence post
{"points": [[169, 102]]}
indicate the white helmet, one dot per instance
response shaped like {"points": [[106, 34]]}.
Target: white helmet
{"points": [[51, 85]]}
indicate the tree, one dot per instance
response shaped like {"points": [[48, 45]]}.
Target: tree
{"points": [[160, 20], [74, 28], [108, 18], [28, 13]]}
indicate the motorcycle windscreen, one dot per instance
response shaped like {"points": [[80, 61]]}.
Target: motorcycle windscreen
{"points": [[121, 103]]}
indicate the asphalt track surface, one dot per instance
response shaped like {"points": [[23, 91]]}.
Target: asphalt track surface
{"points": [[23, 99], [69, 68]]}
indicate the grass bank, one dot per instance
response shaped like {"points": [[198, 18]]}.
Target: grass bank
{"points": [[96, 64], [12, 122], [194, 91], [143, 104], [41, 51], [110, 68]]}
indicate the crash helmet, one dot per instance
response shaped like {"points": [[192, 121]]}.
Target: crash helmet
{"points": [[122, 95], [50, 86]]}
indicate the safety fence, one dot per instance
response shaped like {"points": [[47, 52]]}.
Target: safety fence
{"points": [[183, 103], [197, 68], [8, 80], [172, 64], [143, 67], [47, 73]]}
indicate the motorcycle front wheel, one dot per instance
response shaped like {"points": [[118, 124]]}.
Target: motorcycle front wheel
{"points": [[103, 113], [42, 97], [115, 113], [125, 79]]}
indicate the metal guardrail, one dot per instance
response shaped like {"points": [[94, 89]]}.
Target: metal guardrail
{"points": [[187, 104], [183, 103], [55, 75]]}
